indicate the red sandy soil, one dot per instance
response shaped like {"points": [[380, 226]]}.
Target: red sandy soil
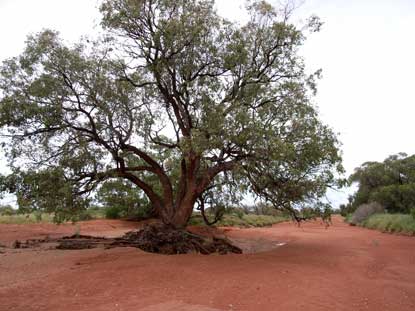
{"points": [[339, 268]]}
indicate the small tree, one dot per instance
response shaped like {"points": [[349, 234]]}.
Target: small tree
{"points": [[47, 191], [123, 198], [173, 99]]}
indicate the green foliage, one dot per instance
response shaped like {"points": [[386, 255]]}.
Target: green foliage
{"points": [[263, 208], [246, 220], [239, 213], [113, 212], [348, 218], [396, 198], [391, 183], [174, 99], [7, 210], [46, 191], [347, 209], [413, 213], [394, 223], [122, 200]]}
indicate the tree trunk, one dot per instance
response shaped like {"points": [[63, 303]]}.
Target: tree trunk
{"points": [[182, 212], [182, 215]]}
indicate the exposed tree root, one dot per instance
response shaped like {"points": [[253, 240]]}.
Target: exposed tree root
{"points": [[152, 238], [164, 240]]}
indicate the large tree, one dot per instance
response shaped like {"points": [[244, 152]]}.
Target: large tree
{"points": [[390, 183], [175, 99]]}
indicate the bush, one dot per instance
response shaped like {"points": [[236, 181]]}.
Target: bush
{"points": [[364, 211], [7, 210], [113, 212], [239, 213], [117, 212]]}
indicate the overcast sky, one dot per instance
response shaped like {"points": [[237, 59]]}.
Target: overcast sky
{"points": [[366, 49]]}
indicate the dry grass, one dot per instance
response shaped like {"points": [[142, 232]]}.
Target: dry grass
{"points": [[26, 219]]}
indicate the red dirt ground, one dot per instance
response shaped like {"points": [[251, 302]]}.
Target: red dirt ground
{"points": [[341, 268]]}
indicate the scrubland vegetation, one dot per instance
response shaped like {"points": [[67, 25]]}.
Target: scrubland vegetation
{"points": [[26, 218], [242, 220], [373, 216], [385, 199], [394, 223]]}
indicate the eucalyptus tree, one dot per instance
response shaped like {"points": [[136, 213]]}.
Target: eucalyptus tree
{"points": [[390, 183], [174, 98]]}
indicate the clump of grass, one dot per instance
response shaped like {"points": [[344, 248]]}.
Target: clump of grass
{"points": [[244, 220], [394, 223]]}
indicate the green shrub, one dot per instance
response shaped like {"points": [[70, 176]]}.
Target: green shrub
{"points": [[239, 213], [7, 210], [121, 212], [113, 212]]}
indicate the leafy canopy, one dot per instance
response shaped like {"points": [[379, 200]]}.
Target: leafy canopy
{"points": [[176, 100], [390, 183]]}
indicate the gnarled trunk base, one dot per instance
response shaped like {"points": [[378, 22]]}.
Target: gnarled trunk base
{"points": [[155, 238], [166, 240]]}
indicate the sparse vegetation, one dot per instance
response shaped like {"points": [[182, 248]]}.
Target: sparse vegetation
{"points": [[26, 218], [413, 213], [394, 223], [242, 220], [373, 216], [37, 217], [6, 210]]}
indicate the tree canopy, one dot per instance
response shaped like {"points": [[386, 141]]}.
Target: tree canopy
{"points": [[390, 183], [176, 100]]}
